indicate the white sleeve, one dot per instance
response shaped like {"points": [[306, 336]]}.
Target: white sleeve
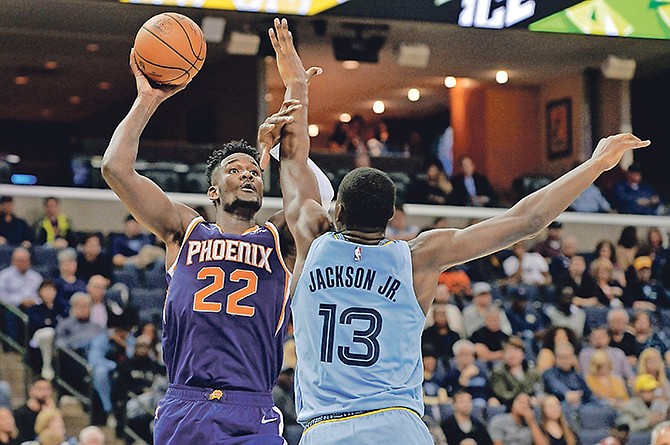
{"points": [[325, 187]]}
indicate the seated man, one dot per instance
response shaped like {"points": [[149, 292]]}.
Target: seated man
{"points": [[54, 228], [14, 231], [77, 331], [635, 196], [513, 376], [467, 375], [645, 410], [461, 425], [518, 426], [563, 380], [489, 339], [134, 248]]}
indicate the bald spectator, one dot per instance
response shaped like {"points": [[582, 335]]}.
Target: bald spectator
{"points": [[489, 339], [91, 435], [660, 435], [14, 231], [77, 331], [468, 375], [96, 289], [18, 282], [617, 324]]}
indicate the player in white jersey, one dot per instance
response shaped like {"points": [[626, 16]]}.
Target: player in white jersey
{"points": [[354, 326]]}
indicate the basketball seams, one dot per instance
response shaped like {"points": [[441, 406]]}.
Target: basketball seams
{"points": [[170, 46], [177, 18], [186, 73]]}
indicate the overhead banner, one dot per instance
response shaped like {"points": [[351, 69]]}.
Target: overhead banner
{"points": [[293, 7], [622, 18]]}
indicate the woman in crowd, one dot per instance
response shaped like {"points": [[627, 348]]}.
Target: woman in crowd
{"points": [[650, 362], [608, 387], [554, 336], [554, 424]]}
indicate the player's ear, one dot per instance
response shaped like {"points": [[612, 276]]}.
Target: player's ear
{"points": [[213, 194]]}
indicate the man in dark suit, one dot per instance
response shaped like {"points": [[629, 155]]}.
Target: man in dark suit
{"points": [[471, 188]]}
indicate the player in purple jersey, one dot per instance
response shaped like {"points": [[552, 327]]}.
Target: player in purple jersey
{"points": [[226, 307]]}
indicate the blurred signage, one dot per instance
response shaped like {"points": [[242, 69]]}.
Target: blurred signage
{"points": [[294, 7], [623, 18]]}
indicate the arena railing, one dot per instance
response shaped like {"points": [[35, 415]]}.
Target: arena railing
{"points": [[14, 336]]}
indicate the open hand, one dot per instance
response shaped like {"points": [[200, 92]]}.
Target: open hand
{"points": [[269, 131], [289, 63], [611, 149]]}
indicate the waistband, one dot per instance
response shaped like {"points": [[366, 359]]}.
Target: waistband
{"points": [[196, 393], [351, 414]]}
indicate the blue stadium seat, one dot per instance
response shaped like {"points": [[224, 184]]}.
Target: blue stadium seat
{"points": [[129, 277], [195, 182], [45, 255], [147, 299], [494, 410], [595, 316], [5, 255], [168, 180], [292, 434], [588, 437], [155, 278], [47, 271], [595, 417], [446, 410], [664, 320]]}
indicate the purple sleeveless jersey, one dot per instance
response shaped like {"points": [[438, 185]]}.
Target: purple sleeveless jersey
{"points": [[226, 309]]}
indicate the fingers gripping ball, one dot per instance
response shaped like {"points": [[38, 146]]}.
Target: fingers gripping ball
{"points": [[170, 48]]}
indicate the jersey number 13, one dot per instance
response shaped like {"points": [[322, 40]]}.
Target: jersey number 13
{"points": [[366, 337]]}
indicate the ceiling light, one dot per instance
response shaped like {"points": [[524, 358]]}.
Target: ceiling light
{"points": [[75, 100], [502, 77], [21, 80], [413, 94], [93, 47], [313, 130], [450, 81], [350, 64], [345, 117], [104, 86], [50, 65], [46, 112], [269, 97], [212, 29], [243, 44], [378, 107], [413, 55]]}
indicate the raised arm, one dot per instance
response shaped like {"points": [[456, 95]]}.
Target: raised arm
{"points": [[141, 196], [436, 250], [305, 216]]}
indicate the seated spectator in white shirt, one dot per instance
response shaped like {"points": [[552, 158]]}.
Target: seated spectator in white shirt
{"points": [[526, 267]]}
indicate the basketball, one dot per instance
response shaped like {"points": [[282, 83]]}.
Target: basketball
{"points": [[170, 48]]}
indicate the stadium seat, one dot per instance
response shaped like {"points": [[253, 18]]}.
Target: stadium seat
{"points": [[595, 316], [5, 255], [595, 417], [168, 180], [129, 277], [195, 182], [494, 410], [664, 319], [446, 410], [155, 278], [45, 255], [146, 299], [588, 437]]}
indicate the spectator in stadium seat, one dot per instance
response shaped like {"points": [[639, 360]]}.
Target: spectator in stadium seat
{"points": [[626, 249], [563, 380], [482, 302], [643, 411], [617, 324], [40, 397], [67, 282], [433, 386], [600, 340], [14, 231], [513, 376], [553, 337], [472, 188], [564, 313], [574, 276], [592, 201], [434, 189], [461, 425], [19, 282], [525, 267], [42, 321], [607, 387], [559, 265], [550, 247], [8, 430], [454, 314], [634, 196], [439, 335], [91, 260], [642, 291], [553, 423], [645, 337], [55, 228], [135, 249], [467, 375], [526, 321], [606, 249], [399, 228], [660, 435], [50, 429], [601, 286], [489, 339], [518, 427], [77, 331], [650, 362], [100, 311]]}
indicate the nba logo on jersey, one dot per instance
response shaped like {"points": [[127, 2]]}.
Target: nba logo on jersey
{"points": [[357, 254]]}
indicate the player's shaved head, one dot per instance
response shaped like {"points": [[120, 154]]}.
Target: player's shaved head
{"points": [[368, 198]]}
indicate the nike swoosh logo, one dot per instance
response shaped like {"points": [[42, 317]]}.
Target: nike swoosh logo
{"points": [[264, 420]]}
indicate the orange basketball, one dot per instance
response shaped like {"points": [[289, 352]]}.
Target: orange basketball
{"points": [[170, 48]]}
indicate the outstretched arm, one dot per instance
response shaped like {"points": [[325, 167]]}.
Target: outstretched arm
{"points": [[437, 250], [305, 216], [141, 196]]}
